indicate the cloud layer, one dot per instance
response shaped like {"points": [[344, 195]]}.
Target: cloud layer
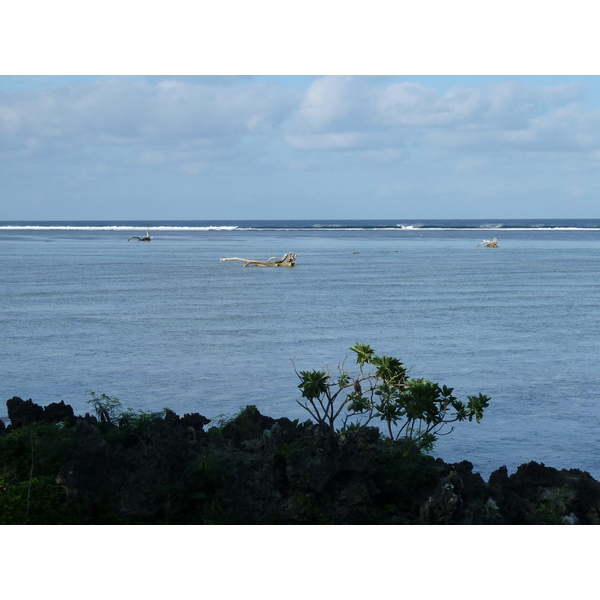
{"points": [[194, 127], [334, 113]]}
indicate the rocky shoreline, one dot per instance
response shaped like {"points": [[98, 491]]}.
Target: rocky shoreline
{"points": [[59, 468]]}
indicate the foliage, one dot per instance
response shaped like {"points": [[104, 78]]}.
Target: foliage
{"points": [[225, 418], [107, 409], [139, 420], [246, 413], [30, 458], [403, 472], [110, 410], [51, 444], [413, 409]]}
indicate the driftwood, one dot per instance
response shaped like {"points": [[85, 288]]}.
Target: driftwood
{"points": [[144, 239], [489, 243], [287, 260]]}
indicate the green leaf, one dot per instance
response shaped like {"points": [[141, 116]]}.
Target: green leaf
{"points": [[343, 380], [476, 406], [364, 353], [389, 369], [314, 383], [358, 404]]}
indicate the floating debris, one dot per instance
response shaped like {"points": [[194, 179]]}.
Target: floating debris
{"points": [[144, 239], [287, 260], [489, 243]]}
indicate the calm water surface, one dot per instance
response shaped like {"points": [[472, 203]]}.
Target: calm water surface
{"points": [[165, 324]]}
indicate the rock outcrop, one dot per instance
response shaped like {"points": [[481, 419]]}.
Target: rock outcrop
{"points": [[25, 412], [260, 470]]}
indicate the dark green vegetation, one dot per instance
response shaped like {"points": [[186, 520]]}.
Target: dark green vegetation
{"points": [[121, 466]]}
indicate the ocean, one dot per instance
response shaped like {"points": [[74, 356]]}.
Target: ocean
{"points": [[165, 324]]}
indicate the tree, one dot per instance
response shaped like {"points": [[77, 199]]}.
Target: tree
{"points": [[415, 409], [107, 409]]}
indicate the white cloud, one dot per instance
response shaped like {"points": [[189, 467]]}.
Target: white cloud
{"points": [[577, 191], [470, 164], [356, 113], [345, 140], [150, 113], [191, 124], [152, 157], [193, 169]]}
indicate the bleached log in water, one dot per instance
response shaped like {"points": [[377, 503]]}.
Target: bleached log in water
{"points": [[287, 260], [489, 243]]}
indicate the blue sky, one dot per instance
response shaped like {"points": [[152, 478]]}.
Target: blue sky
{"points": [[437, 143], [299, 147]]}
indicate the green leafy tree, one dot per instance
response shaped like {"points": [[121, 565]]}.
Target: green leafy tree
{"points": [[110, 410], [107, 409], [414, 409]]}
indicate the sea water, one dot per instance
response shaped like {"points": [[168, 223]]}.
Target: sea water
{"points": [[166, 324]]}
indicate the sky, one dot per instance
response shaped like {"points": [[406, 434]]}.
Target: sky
{"points": [[290, 138]]}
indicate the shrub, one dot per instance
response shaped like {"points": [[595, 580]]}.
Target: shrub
{"points": [[30, 458], [414, 409], [110, 410]]}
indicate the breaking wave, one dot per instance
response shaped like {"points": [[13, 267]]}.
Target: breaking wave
{"points": [[305, 225]]}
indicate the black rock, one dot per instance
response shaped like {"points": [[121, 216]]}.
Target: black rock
{"points": [[57, 412], [23, 412]]}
